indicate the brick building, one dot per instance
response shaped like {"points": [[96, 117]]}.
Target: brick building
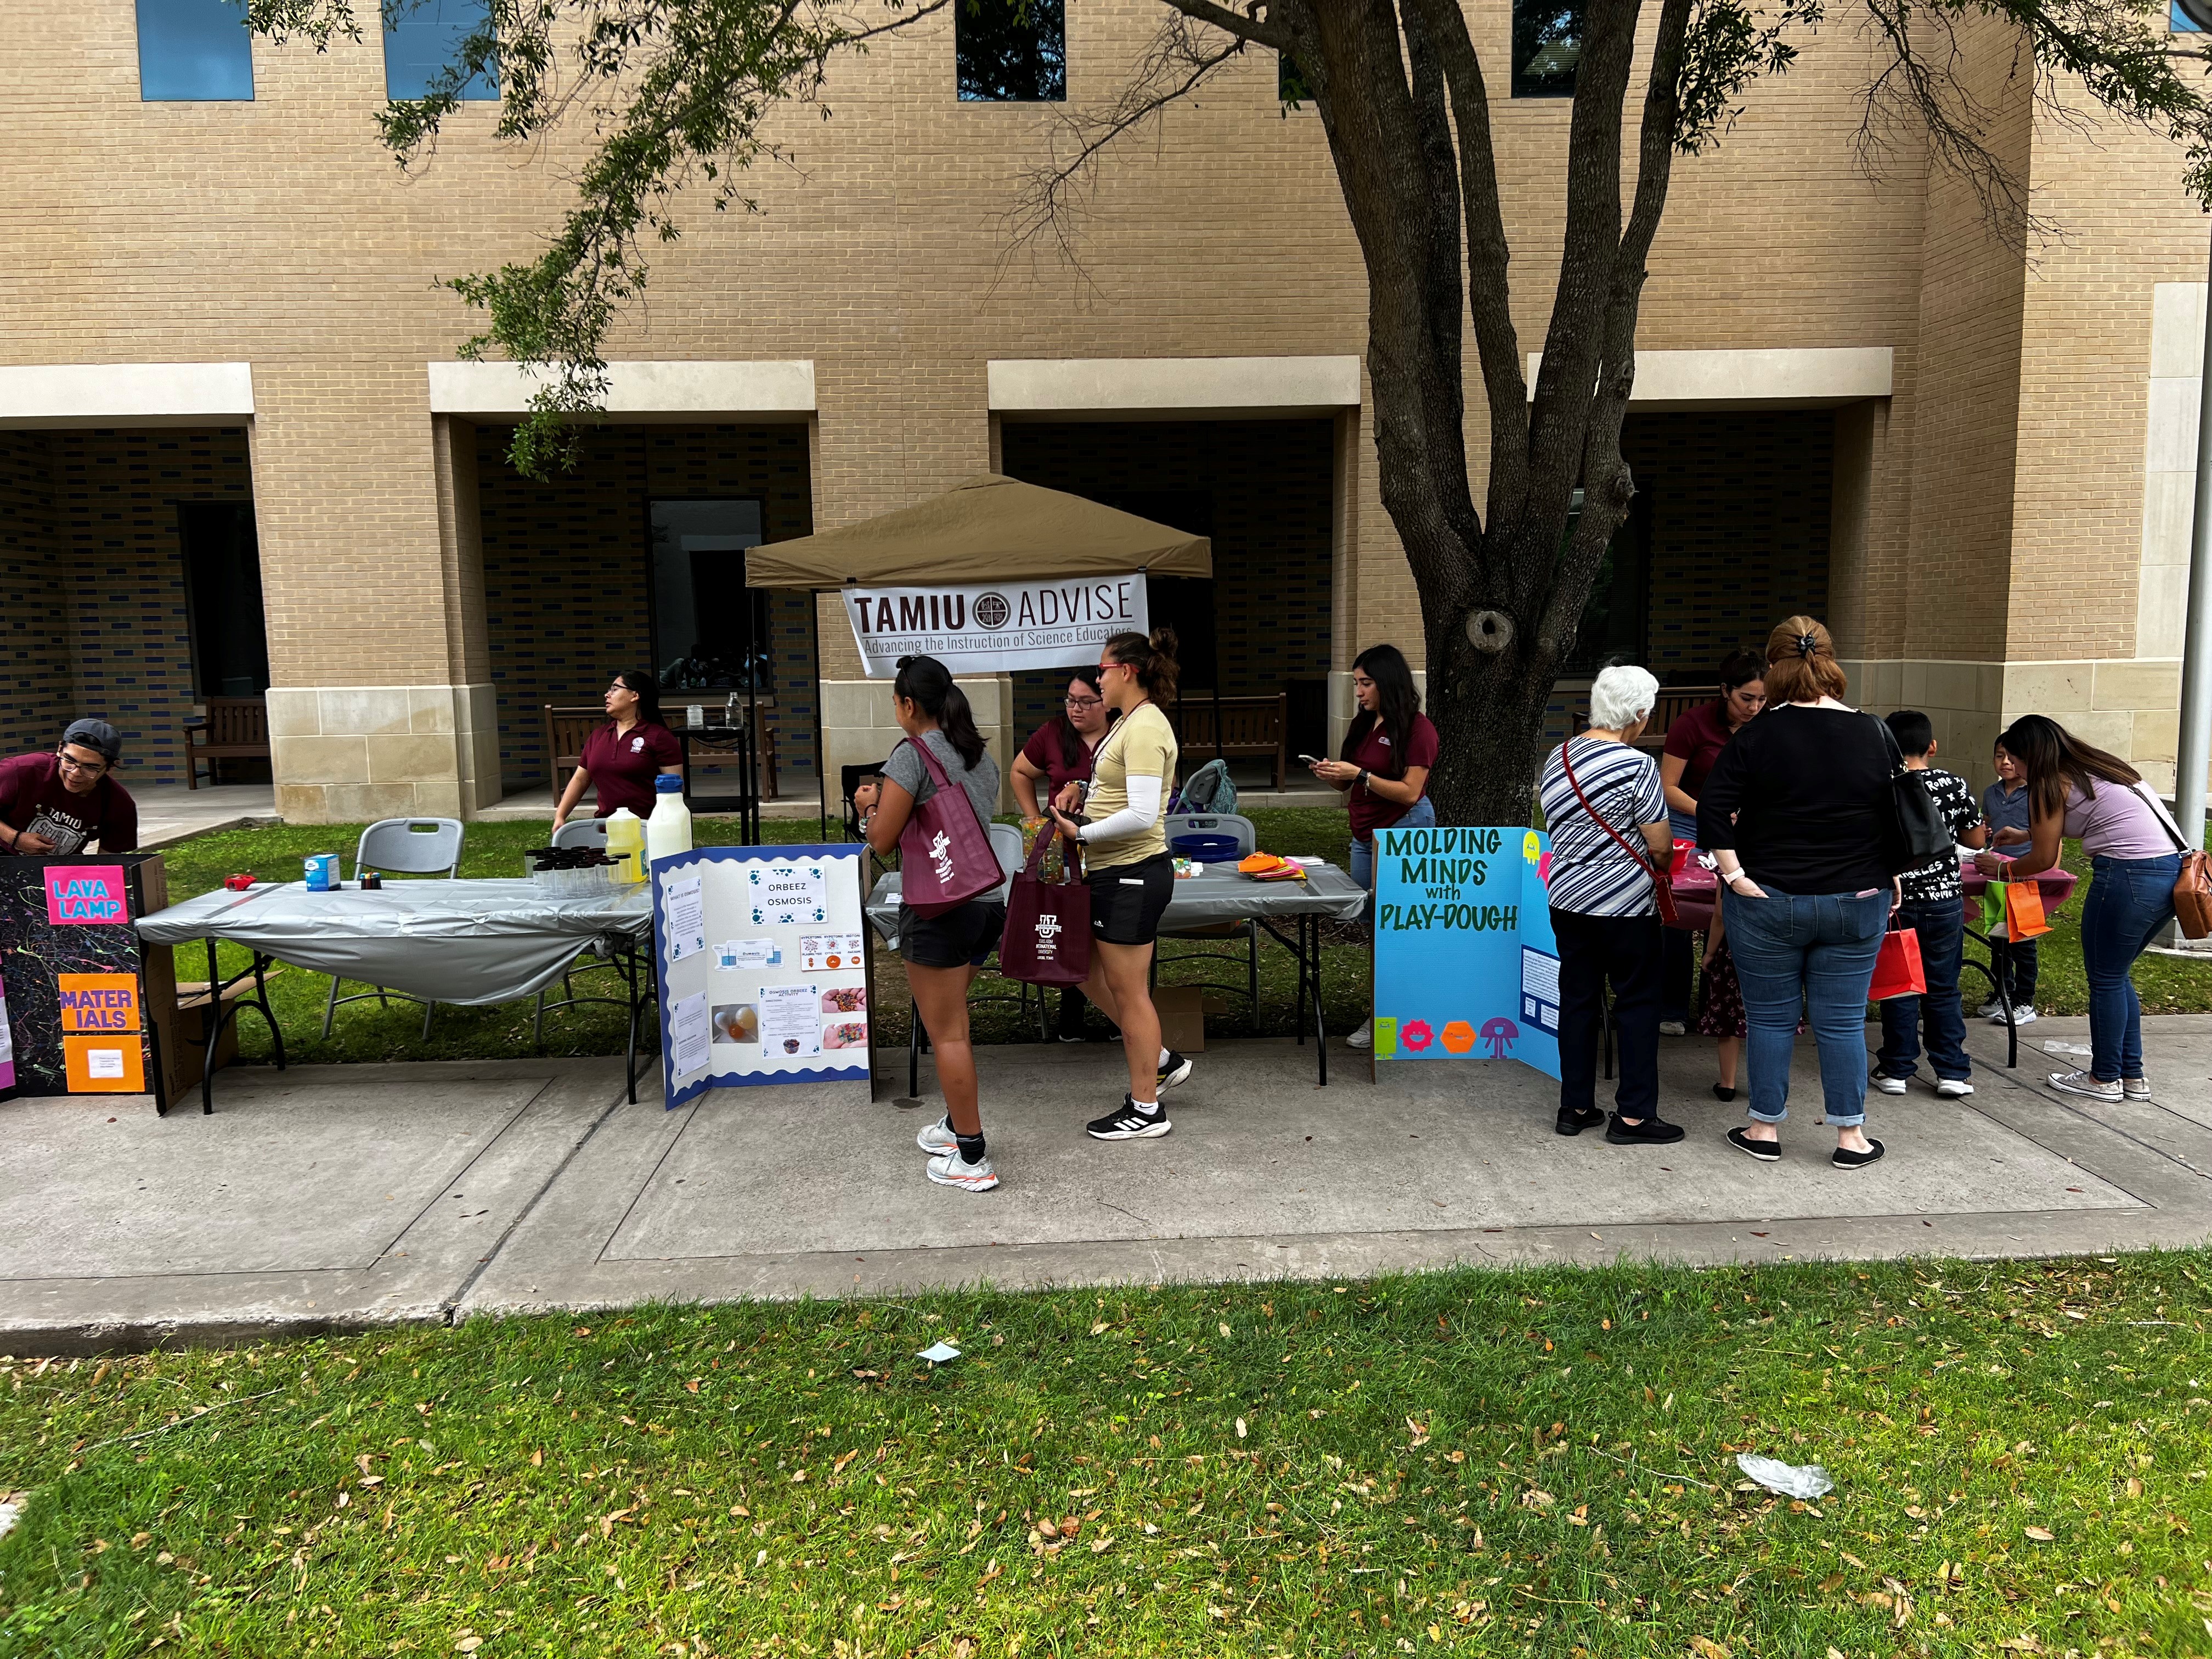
{"points": [[237, 456]]}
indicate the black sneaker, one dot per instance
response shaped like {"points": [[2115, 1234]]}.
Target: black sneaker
{"points": [[1175, 1068], [1653, 1131], [1847, 1160], [1573, 1120], [1767, 1151], [1129, 1123]]}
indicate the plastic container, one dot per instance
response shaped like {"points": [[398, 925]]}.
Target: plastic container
{"points": [[626, 834], [668, 829], [1204, 849]]}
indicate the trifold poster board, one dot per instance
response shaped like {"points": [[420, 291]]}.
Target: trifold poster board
{"points": [[762, 954], [83, 997], [1466, 965]]}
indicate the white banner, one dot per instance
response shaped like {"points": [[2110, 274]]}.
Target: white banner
{"points": [[994, 627]]}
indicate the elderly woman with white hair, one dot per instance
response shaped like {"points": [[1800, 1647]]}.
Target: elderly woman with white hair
{"points": [[1606, 812]]}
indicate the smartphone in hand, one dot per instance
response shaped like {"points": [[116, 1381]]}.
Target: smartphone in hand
{"points": [[1309, 760]]}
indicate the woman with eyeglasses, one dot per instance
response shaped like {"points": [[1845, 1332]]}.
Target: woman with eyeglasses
{"points": [[1058, 755], [60, 803], [623, 757]]}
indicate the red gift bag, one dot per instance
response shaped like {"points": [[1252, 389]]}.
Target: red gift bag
{"points": [[1048, 937], [945, 852], [1897, 970]]}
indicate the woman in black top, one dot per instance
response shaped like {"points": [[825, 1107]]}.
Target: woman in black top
{"points": [[1799, 812]]}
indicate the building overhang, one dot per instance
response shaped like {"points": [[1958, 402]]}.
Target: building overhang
{"points": [[637, 391], [1812, 378], [1171, 388], [82, 395]]}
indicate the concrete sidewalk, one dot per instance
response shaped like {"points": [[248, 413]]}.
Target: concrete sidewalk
{"points": [[339, 1197]]}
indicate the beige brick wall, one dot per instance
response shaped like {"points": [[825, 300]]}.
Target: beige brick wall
{"points": [[2005, 469]]}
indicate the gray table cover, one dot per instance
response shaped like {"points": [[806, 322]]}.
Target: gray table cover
{"points": [[466, 942], [1218, 894]]}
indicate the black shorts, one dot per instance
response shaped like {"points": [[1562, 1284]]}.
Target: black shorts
{"points": [[958, 938], [1127, 900]]}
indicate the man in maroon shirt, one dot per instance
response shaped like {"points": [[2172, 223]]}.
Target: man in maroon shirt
{"points": [[62, 802]]}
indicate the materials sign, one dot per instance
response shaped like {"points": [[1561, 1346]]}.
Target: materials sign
{"points": [[994, 627]]}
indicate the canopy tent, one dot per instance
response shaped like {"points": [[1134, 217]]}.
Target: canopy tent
{"points": [[988, 529]]}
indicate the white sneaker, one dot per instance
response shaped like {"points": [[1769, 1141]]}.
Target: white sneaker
{"points": [[2022, 1015], [950, 1170], [1991, 1010], [2081, 1083], [1361, 1036], [937, 1138], [1883, 1081], [1673, 1028], [2135, 1088], [1952, 1088]]}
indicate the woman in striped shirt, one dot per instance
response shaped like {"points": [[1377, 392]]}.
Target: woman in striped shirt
{"points": [[1598, 793]]}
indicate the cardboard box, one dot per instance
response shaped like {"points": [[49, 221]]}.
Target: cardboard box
{"points": [[1182, 1017]]}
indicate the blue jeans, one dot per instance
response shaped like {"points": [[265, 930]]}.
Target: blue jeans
{"points": [[1421, 815], [2130, 901], [1941, 925], [1817, 951]]}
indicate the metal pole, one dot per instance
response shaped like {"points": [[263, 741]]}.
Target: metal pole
{"points": [[2189, 779]]}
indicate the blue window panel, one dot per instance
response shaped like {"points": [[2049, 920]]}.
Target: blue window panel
{"points": [[194, 51], [421, 38]]}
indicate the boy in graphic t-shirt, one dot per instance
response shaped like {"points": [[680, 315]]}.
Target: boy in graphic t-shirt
{"points": [[58, 804], [1935, 906]]}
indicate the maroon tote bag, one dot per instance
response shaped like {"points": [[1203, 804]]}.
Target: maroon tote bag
{"points": [[944, 853], [1048, 937]]}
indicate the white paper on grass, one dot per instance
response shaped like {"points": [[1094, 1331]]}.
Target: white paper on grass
{"points": [[686, 903], [11, 1511], [689, 1034], [937, 1352], [1790, 1480]]}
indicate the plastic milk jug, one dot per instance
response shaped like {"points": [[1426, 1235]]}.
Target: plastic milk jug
{"points": [[626, 834], [668, 829]]}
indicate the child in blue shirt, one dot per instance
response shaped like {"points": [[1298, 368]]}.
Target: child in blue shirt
{"points": [[2004, 809]]}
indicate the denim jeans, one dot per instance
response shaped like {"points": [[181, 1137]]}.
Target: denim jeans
{"points": [[1817, 950], [1421, 815], [2130, 901], [1941, 925], [1593, 949]]}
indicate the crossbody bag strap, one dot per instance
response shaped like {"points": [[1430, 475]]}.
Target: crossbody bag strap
{"points": [[1641, 862], [942, 780], [2158, 812]]}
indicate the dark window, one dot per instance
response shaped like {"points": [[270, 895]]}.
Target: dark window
{"points": [[194, 51], [709, 630], [223, 590], [1616, 619], [1547, 44], [421, 38], [1011, 52], [1289, 83]]}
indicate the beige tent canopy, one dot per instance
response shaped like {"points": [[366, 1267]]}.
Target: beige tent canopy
{"points": [[988, 529]]}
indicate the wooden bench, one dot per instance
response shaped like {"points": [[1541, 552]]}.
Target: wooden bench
{"points": [[236, 728], [1251, 728], [1673, 700], [567, 728]]}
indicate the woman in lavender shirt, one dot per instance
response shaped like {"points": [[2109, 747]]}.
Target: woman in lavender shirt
{"points": [[2134, 850]]}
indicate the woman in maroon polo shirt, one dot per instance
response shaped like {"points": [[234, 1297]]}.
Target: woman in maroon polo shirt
{"points": [[1058, 753], [623, 757]]}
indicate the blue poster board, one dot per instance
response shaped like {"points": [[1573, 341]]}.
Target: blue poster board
{"points": [[1466, 965], [763, 955]]}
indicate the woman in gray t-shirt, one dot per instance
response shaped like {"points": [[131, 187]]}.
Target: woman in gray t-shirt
{"points": [[942, 952]]}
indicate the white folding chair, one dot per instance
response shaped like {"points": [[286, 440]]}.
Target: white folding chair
{"points": [[402, 846], [1248, 840]]}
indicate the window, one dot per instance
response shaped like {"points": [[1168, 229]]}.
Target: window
{"points": [[422, 38], [2189, 16], [1547, 44], [194, 51], [709, 630], [1011, 52], [223, 596], [1616, 622]]}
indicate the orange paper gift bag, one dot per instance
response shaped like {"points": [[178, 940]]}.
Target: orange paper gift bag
{"points": [[1897, 971], [2024, 910]]}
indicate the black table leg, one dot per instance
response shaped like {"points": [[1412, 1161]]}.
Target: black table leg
{"points": [[1309, 936]]}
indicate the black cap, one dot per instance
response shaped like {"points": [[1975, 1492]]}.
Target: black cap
{"points": [[96, 734]]}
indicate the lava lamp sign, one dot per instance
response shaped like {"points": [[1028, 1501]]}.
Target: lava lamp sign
{"points": [[1466, 965], [87, 895]]}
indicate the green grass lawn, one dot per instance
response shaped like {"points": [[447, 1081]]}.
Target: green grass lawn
{"points": [[1476, 1463], [365, 1031]]}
